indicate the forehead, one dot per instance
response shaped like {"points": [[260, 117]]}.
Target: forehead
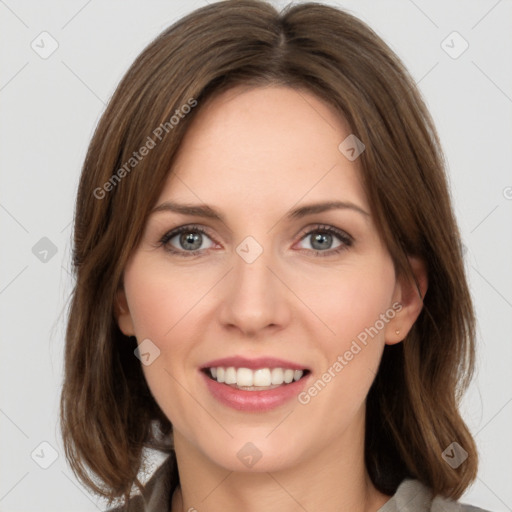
{"points": [[264, 146]]}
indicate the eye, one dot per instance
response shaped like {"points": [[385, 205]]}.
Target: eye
{"points": [[188, 239], [322, 238]]}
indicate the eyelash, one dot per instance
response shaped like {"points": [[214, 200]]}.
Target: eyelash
{"points": [[346, 240]]}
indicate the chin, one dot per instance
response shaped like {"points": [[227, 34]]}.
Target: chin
{"points": [[254, 452]]}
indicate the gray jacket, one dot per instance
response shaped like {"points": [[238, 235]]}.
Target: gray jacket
{"points": [[411, 496]]}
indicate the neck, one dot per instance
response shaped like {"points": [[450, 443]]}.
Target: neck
{"points": [[331, 480]]}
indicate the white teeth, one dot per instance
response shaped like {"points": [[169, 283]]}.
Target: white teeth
{"points": [[277, 376], [288, 376], [260, 378], [230, 377], [244, 377]]}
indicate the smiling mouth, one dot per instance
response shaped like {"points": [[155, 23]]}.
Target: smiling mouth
{"points": [[260, 379]]}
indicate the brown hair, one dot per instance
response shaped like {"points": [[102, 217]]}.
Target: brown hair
{"points": [[107, 410]]}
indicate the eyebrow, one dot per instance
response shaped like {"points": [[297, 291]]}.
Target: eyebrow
{"points": [[303, 211]]}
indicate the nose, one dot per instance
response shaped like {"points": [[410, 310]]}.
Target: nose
{"points": [[254, 298]]}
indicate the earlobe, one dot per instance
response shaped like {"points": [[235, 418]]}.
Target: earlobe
{"points": [[122, 313], [409, 293]]}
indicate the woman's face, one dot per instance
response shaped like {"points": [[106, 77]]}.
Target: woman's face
{"points": [[267, 286]]}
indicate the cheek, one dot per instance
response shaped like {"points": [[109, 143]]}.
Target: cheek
{"points": [[155, 309], [347, 300], [166, 307], [356, 308], [159, 302], [354, 299], [156, 300]]}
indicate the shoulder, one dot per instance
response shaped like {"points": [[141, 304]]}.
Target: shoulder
{"points": [[413, 496], [157, 491]]}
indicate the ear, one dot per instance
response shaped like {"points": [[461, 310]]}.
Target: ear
{"points": [[122, 313], [409, 293]]}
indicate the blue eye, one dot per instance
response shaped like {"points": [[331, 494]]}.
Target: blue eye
{"points": [[322, 238], [190, 239]]}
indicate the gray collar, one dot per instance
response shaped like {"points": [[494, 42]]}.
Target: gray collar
{"points": [[413, 496]]}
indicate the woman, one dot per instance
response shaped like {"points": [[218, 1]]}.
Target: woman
{"points": [[270, 286]]}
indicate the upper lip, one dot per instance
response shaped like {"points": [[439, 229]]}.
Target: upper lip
{"points": [[253, 364]]}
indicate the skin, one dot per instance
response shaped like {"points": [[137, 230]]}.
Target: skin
{"points": [[254, 155]]}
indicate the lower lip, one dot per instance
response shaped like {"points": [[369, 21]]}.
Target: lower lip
{"points": [[255, 401]]}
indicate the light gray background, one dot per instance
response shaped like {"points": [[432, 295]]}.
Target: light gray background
{"points": [[49, 108]]}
